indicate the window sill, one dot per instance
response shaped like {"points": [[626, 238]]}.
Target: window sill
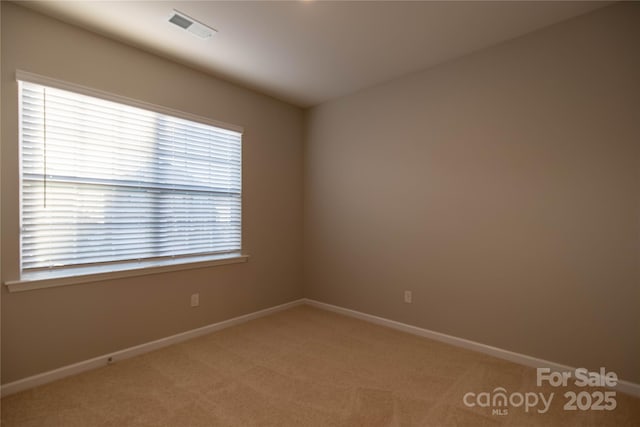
{"points": [[76, 276]]}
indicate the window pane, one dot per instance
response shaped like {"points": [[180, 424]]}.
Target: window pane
{"points": [[106, 182]]}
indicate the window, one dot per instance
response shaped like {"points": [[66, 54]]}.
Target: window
{"points": [[106, 183]]}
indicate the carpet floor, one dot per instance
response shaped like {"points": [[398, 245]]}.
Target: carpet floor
{"points": [[303, 367]]}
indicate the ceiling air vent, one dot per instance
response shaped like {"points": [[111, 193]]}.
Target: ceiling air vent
{"points": [[194, 27]]}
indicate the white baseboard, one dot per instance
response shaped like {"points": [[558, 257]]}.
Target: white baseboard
{"points": [[96, 362], [534, 362]]}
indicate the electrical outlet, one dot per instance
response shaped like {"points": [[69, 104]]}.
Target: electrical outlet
{"points": [[195, 300], [408, 297]]}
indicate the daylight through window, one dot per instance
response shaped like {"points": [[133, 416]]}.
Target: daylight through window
{"points": [[105, 182]]}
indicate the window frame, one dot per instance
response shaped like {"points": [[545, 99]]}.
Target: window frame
{"points": [[85, 274]]}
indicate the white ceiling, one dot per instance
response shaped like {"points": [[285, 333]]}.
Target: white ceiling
{"points": [[307, 52]]}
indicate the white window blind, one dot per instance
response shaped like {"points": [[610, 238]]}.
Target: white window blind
{"points": [[105, 182]]}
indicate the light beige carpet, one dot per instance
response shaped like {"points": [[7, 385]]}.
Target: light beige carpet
{"points": [[300, 367]]}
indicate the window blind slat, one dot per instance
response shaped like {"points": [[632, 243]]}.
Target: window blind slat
{"points": [[104, 182]]}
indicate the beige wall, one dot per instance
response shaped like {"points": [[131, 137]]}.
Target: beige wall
{"points": [[46, 329], [502, 189]]}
